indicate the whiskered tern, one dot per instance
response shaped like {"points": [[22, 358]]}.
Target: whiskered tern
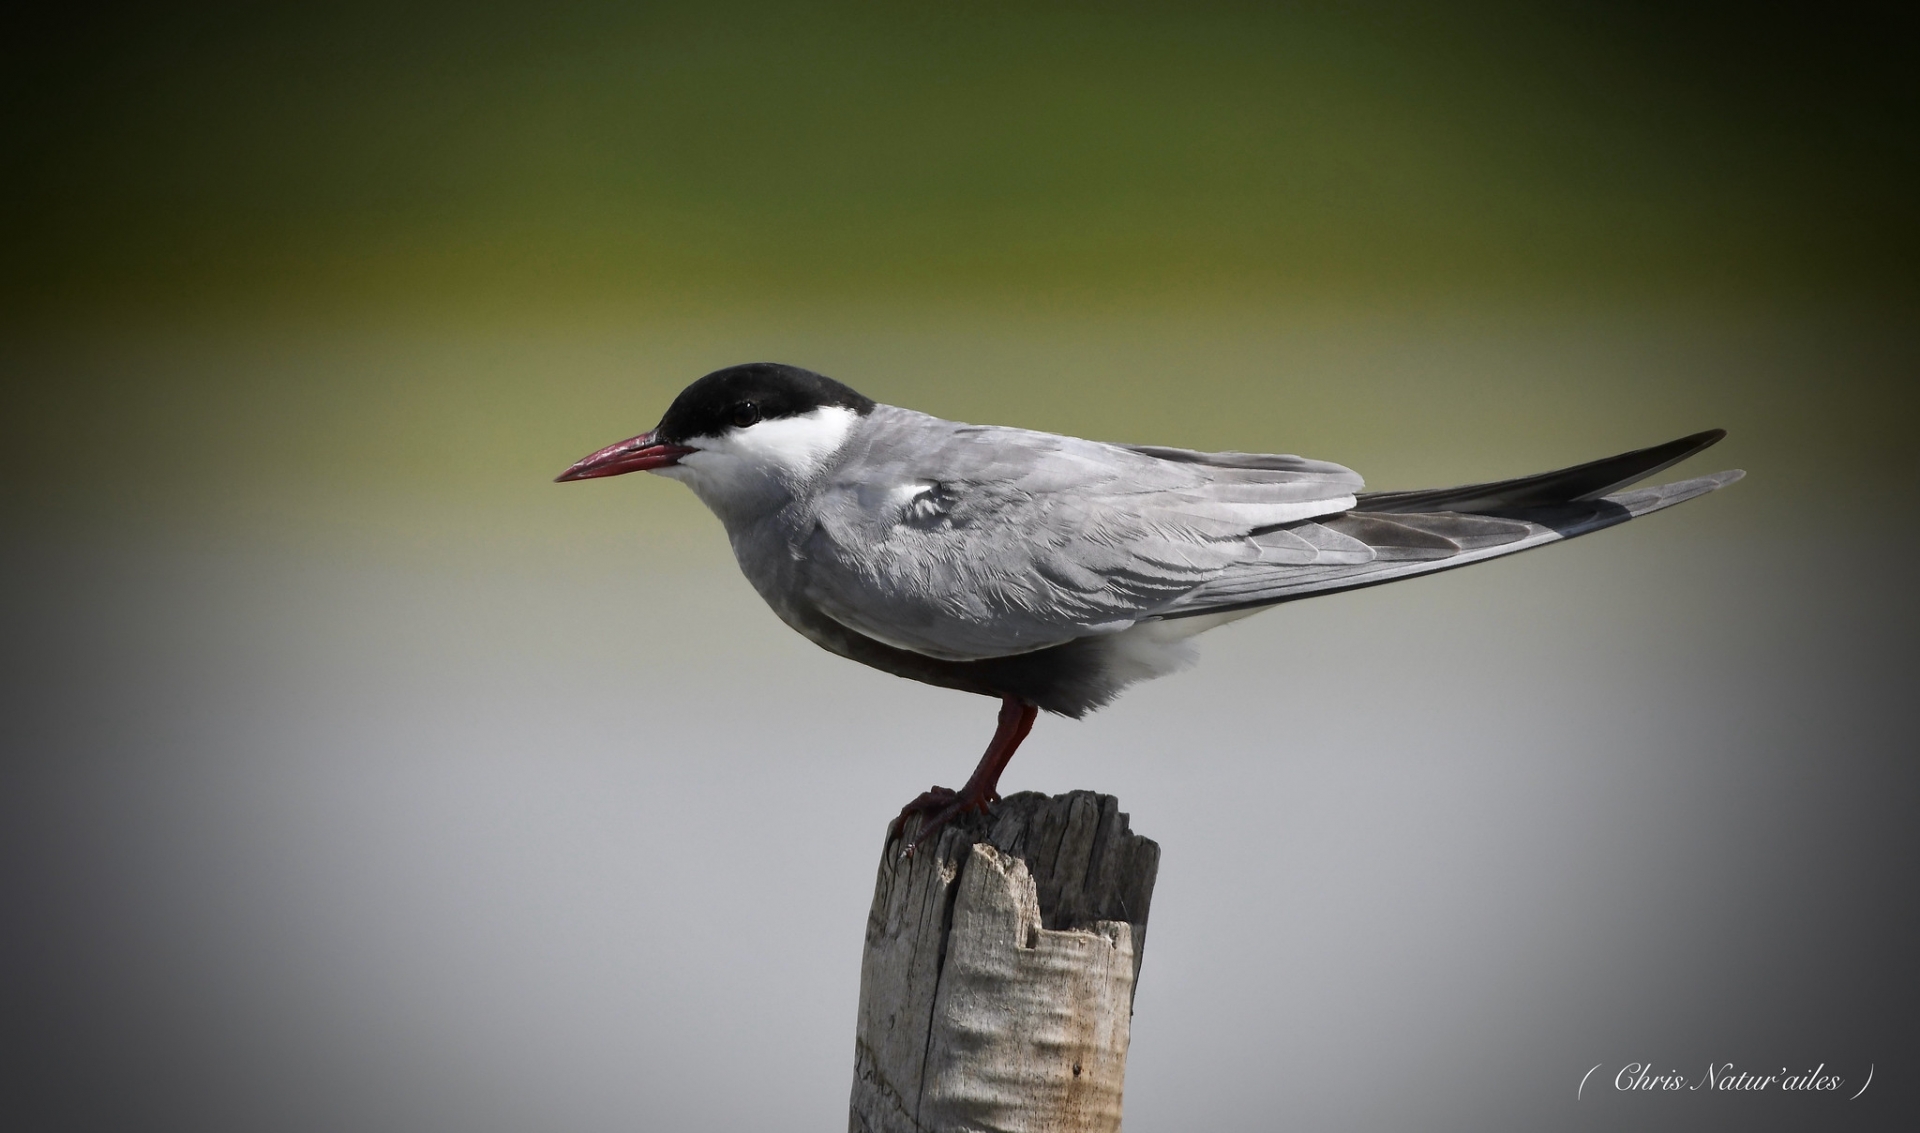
{"points": [[1052, 572]]}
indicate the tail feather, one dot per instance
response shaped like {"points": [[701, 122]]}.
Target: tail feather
{"points": [[1410, 533], [1581, 482], [1645, 500]]}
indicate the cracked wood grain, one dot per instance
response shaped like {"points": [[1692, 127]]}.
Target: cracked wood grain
{"points": [[996, 987]]}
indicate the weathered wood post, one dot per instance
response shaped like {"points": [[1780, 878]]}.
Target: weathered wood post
{"points": [[996, 991]]}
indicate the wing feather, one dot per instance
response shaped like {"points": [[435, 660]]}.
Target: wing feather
{"points": [[1027, 540], [1420, 543], [967, 542]]}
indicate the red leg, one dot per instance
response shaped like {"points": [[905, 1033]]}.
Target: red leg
{"points": [[940, 805]]}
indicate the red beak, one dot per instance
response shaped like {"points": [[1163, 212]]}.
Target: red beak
{"points": [[635, 454]]}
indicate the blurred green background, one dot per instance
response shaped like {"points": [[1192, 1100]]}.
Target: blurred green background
{"points": [[549, 155], [390, 266]]}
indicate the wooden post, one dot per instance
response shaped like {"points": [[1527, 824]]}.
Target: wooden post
{"points": [[996, 991]]}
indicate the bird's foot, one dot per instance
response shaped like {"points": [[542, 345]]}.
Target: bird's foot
{"points": [[937, 807]]}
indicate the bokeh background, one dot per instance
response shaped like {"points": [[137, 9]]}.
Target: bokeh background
{"points": [[357, 777]]}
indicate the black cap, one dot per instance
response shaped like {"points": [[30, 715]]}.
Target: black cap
{"points": [[738, 396]]}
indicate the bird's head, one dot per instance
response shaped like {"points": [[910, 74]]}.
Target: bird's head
{"points": [[739, 436]]}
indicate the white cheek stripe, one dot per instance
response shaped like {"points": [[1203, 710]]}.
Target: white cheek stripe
{"points": [[796, 445], [790, 449]]}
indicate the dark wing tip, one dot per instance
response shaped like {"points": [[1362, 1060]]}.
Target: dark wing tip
{"points": [[1702, 440], [1581, 482], [1637, 466]]}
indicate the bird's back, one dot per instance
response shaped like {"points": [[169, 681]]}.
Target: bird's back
{"points": [[966, 542]]}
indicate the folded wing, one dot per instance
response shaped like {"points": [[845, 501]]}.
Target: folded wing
{"points": [[965, 542], [1401, 534], [969, 542]]}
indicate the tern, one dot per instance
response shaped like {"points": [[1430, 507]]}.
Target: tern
{"points": [[1051, 572]]}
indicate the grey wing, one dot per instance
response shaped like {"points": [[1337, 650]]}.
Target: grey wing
{"points": [[968, 542], [1395, 535]]}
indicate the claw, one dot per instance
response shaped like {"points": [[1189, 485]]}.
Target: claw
{"points": [[931, 801], [937, 807], [940, 805]]}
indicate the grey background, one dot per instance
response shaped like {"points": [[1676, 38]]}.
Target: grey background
{"points": [[505, 817]]}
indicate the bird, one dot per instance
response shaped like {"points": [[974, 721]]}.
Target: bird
{"points": [[1051, 572]]}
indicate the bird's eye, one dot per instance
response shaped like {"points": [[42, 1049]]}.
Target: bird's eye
{"points": [[745, 413]]}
